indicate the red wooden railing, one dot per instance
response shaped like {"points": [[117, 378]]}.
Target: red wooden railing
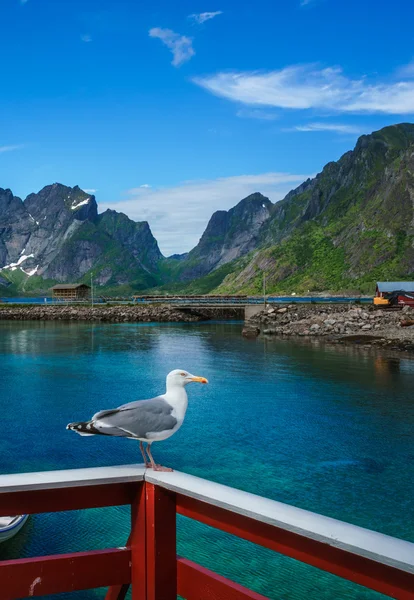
{"points": [[149, 562]]}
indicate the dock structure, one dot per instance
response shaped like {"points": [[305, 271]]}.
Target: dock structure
{"points": [[71, 291], [149, 562], [212, 301], [197, 300]]}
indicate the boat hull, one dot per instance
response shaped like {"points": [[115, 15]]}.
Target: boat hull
{"points": [[7, 533]]}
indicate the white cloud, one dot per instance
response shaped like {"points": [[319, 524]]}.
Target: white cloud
{"points": [[334, 127], [406, 71], [86, 38], [205, 16], [178, 215], [257, 113], [90, 190], [180, 45], [304, 87], [10, 148], [145, 185]]}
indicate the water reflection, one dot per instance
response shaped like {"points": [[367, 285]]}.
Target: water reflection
{"points": [[327, 428]]}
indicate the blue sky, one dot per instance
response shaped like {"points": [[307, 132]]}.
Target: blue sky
{"points": [[171, 110]]}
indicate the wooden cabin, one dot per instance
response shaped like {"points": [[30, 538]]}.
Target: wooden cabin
{"points": [[397, 293], [71, 291]]}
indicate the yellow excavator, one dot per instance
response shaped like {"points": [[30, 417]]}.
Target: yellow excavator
{"points": [[381, 301]]}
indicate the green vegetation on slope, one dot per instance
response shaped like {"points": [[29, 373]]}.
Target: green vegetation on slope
{"points": [[348, 228]]}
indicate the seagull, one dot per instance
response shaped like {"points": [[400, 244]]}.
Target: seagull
{"points": [[145, 420]]}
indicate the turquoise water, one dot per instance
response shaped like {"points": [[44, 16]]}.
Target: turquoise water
{"points": [[328, 429]]}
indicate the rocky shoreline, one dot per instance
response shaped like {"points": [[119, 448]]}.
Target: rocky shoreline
{"points": [[109, 314], [343, 324], [162, 313]]}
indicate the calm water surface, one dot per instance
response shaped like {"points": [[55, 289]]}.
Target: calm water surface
{"points": [[326, 429]]}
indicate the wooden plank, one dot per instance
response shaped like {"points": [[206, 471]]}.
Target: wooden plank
{"points": [[64, 573], [198, 583], [70, 477], [60, 499], [160, 544], [365, 571], [357, 540], [118, 592]]}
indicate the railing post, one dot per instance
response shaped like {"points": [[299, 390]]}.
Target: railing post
{"points": [[138, 545], [161, 553]]}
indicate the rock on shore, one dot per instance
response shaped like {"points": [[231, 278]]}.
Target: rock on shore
{"points": [[342, 323], [113, 314]]}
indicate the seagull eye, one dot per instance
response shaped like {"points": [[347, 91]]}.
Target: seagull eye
{"points": [[182, 374]]}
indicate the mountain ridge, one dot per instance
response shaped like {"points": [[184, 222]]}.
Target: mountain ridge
{"points": [[351, 224]]}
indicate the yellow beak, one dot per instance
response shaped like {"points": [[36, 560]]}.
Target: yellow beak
{"points": [[199, 379]]}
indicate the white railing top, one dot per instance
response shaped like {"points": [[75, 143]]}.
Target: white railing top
{"points": [[47, 480], [382, 548], [363, 542]]}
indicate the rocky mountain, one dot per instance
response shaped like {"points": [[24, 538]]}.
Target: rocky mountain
{"points": [[33, 232], [58, 236], [350, 225], [229, 235], [346, 228]]}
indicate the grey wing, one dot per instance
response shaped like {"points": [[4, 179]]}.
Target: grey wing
{"points": [[136, 419]]}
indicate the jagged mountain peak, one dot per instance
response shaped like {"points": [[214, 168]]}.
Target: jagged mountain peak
{"points": [[252, 200], [58, 197], [136, 235], [228, 235], [56, 233]]}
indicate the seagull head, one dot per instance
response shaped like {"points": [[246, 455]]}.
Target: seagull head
{"points": [[180, 378]]}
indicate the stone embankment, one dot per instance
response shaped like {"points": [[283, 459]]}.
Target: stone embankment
{"points": [[340, 323], [113, 314]]}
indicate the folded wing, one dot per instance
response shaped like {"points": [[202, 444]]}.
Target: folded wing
{"points": [[136, 419]]}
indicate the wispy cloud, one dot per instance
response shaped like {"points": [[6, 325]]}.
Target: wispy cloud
{"points": [[308, 2], [304, 87], [86, 37], [90, 190], [406, 71], [179, 214], [181, 46], [11, 148], [257, 113], [139, 189], [205, 16], [334, 127]]}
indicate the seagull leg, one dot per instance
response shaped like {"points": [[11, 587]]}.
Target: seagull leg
{"points": [[146, 463], [155, 466]]}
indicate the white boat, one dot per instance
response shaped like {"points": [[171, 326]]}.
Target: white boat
{"points": [[9, 526]]}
